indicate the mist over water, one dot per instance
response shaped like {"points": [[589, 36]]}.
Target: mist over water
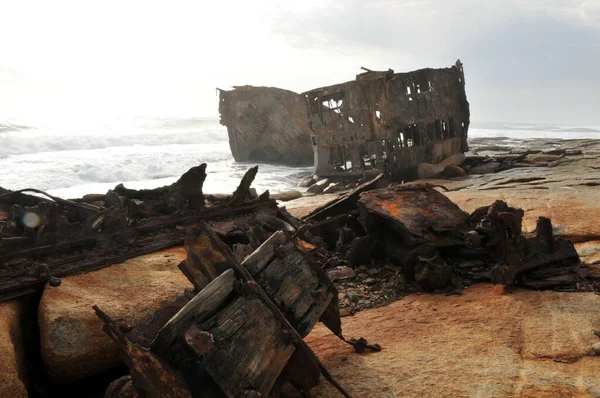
{"points": [[86, 157]]}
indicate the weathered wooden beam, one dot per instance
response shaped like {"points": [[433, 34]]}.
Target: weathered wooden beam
{"points": [[203, 306], [262, 256], [243, 190], [203, 263]]}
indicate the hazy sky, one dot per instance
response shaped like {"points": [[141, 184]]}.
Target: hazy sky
{"points": [[524, 60]]}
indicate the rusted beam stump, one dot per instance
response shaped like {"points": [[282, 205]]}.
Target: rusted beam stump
{"points": [[150, 375]]}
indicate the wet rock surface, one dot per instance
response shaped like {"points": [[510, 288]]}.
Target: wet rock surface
{"points": [[487, 342]]}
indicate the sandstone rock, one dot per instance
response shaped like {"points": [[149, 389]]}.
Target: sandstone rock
{"points": [[589, 252], [315, 189], [485, 343], [430, 170], [455, 160], [318, 187], [287, 195], [307, 182], [485, 168], [453, 172], [12, 366], [596, 348], [73, 345]]}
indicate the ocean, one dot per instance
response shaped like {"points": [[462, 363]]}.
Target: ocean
{"points": [[71, 160]]}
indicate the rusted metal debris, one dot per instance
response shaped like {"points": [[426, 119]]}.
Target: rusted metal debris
{"points": [[497, 229], [439, 246], [43, 239], [266, 124]]}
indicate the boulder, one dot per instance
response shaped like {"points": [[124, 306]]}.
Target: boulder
{"points": [[430, 170], [307, 182], [286, 196], [453, 172], [318, 187], [486, 343], [73, 345], [589, 251], [12, 366], [455, 160]]}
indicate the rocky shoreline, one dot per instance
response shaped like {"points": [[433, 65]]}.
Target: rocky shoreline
{"points": [[558, 179]]}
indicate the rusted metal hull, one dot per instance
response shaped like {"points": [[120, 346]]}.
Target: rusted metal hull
{"points": [[389, 121]]}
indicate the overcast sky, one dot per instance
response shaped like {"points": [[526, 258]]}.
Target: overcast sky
{"points": [[524, 60]]}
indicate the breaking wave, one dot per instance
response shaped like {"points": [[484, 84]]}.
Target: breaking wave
{"points": [[19, 143]]}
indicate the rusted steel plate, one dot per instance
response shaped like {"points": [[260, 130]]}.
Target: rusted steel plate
{"points": [[418, 209]]}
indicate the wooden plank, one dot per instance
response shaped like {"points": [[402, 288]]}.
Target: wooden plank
{"points": [[256, 261], [203, 306], [249, 332], [291, 284]]}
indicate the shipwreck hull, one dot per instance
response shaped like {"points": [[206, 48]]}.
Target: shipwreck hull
{"points": [[266, 124], [391, 122]]}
